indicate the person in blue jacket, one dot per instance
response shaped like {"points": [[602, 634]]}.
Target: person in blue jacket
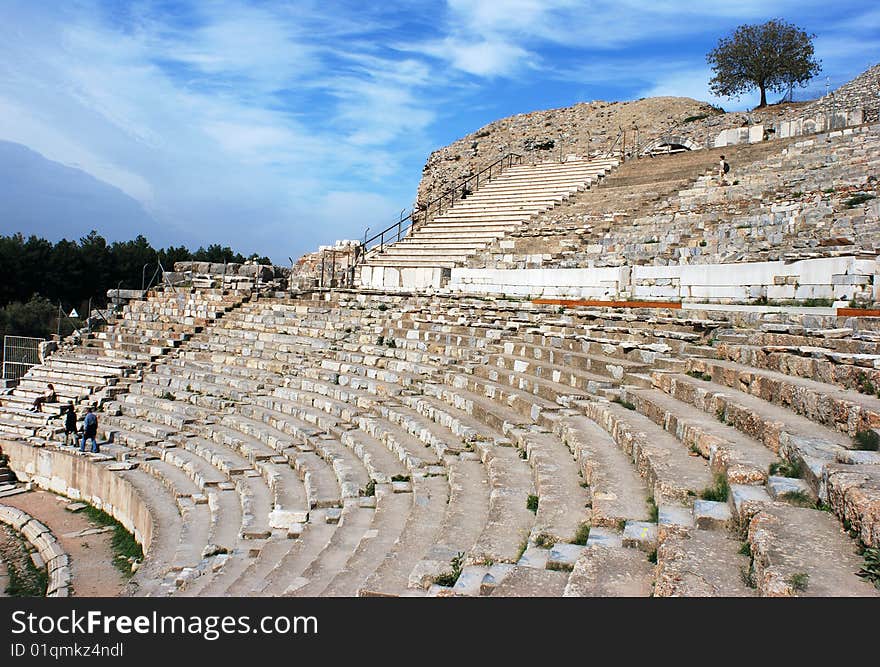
{"points": [[90, 431]]}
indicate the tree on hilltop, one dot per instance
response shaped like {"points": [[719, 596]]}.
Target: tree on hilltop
{"points": [[772, 56]]}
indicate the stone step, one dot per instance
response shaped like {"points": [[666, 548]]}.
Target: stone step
{"points": [[804, 552], [351, 531], [617, 492], [701, 563], [780, 430], [392, 510], [563, 504], [664, 463], [608, 571], [742, 459], [429, 497], [464, 522], [531, 582], [844, 410]]}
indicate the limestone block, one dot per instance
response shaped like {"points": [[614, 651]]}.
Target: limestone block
{"points": [[564, 556], [709, 514]]}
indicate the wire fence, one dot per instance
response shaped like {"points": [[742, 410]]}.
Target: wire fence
{"points": [[20, 354]]}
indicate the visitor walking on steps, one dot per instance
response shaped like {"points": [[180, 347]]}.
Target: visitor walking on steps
{"points": [[70, 425], [90, 431], [48, 396], [723, 170]]}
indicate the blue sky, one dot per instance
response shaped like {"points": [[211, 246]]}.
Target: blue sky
{"points": [[276, 126]]}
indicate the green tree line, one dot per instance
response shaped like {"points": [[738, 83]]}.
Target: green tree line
{"points": [[36, 275]]}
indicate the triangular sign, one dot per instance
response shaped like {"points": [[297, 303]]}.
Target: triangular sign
{"points": [[73, 313]]}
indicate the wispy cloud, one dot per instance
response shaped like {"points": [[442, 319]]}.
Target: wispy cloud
{"points": [[278, 126]]}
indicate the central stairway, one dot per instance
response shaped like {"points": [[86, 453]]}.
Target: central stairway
{"points": [[426, 256]]}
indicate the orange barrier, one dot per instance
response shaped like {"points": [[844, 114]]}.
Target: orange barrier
{"points": [[858, 312], [672, 305]]}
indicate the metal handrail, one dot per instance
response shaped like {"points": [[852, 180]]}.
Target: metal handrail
{"points": [[460, 190]]}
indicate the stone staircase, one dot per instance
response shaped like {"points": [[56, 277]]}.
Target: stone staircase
{"points": [[496, 209]]}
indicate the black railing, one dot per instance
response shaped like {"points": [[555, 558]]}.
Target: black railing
{"points": [[464, 187]]}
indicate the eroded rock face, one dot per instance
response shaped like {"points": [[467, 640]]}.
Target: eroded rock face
{"points": [[854, 495]]}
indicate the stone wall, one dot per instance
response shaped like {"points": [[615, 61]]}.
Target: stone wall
{"points": [[206, 274], [837, 278], [81, 479], [861, 93], [336, 262]]}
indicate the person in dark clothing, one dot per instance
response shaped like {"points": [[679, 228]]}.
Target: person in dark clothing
{"points": [[48, 396], [70, 425], [90, 431]]}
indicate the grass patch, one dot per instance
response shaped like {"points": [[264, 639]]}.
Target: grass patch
{"points": [[126, 550], [718, 491], [624, 403], [652, 557], [522, 549], [799, 499], [746, 549], [694, 119], [32, 583], [532, 503], [544, 541], [168, 396], [857, 199], [867, 441], [449, 578], [369, 489], [582, 534], [400, 478], [864, 384], [653, 510], [798, 581], [786, 468], [383, 307], [721, 416], [870, 569], [700, 375]]}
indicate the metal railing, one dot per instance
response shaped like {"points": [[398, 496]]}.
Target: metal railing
{"points": [[464, 187], [20, 354]]}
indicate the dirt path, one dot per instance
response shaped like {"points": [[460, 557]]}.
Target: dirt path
{"points": [[91, 556]]}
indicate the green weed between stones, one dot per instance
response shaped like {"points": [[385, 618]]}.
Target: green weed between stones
{"points": [[867, 440], [126, 550], [544, 541], [582, 534], [786, 468], [369, 489], [718, 491], [798, 581], [449, 578], [624, 403], [857, 199], [653, 510], [700, 375], [870, 569], [532, 503], [799, 499]]}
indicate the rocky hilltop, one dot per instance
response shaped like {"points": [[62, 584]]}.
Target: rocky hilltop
{"points": [[586, 128]]}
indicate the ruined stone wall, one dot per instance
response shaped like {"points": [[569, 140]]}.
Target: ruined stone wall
{"points": [[863, 92]]}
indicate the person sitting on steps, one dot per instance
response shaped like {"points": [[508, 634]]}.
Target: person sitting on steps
{"points": [[48, 396]]}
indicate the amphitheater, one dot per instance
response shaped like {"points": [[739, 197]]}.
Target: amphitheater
{"points": [[600, 373]]}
